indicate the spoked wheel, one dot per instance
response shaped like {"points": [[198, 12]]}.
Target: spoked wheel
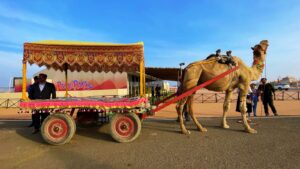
{"points": [[125, 127], [58, 129]]}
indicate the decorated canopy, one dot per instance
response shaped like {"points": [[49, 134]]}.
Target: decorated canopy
{"points": [[85, 56]]}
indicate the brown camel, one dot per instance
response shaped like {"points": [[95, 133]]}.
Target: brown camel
{"points": [[202, 71]]}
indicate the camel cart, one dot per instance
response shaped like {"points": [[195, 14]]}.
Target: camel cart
{"points": [[125, 113]]}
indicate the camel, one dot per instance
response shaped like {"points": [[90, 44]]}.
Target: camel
{"points": [[202, 71]]}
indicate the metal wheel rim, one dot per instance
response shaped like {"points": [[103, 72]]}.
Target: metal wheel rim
{"points": [[57, 129], [125, 126]]}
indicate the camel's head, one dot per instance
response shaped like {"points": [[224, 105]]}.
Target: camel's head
{"points": [[260, 50]]}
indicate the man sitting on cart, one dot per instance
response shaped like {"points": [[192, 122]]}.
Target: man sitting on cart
{"points": [[41, 90]]}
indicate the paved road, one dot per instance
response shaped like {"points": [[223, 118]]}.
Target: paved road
{"points": [[277, 145]]}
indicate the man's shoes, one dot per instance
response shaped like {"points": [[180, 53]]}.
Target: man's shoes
{"points": [[267, 115], [35, 131], [187, 119]]}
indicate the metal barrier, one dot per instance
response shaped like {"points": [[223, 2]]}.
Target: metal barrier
{"points": [[219, 97], [9, 103], [287, 95], [211, 97]]}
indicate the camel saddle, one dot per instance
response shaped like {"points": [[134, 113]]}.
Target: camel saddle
{"points": [[223, 59]]}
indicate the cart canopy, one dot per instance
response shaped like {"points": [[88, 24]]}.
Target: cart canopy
{"points": [[85, 56]]}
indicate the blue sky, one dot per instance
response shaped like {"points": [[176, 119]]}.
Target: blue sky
{"points": [[173, 31]]}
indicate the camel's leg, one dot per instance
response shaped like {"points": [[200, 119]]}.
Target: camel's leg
{"points": [[243, 109], [190, 80], [179, 108], [190, 103], [226, 107]]}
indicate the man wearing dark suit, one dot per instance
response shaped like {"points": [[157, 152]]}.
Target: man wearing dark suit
{"points": [[267, 91], [33, 115], [42, 90]]}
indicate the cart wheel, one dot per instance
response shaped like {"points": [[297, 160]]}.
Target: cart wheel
{"points": [[125, 127], [74, 124], [58, 129]]}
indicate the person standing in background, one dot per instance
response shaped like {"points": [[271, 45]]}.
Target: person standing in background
{"points": [[30, 88], [152, 94], [266, 91], [157, 92], [248, 102], [254, 98]]}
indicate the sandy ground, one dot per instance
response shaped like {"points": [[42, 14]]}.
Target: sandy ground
{"points": [[284, 108]]}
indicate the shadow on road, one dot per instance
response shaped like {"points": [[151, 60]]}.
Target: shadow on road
{"points": [[27, 134], [173, 126], [241, 130], [161, 128], [21, 129], [99, 132]]}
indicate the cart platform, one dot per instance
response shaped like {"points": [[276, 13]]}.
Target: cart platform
{"points": [[102, 102]]}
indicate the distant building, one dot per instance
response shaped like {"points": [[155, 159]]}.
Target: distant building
{"points": [[288, 80], [292, 81]]}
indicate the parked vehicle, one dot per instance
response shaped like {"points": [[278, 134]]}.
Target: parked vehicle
{"points": [[282, 87]]}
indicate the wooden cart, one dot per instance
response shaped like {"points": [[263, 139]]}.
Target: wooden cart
{"points": [[125, 113]]}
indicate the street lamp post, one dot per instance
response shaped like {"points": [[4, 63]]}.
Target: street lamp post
{"points": [[181, 64], [179, 73]]}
